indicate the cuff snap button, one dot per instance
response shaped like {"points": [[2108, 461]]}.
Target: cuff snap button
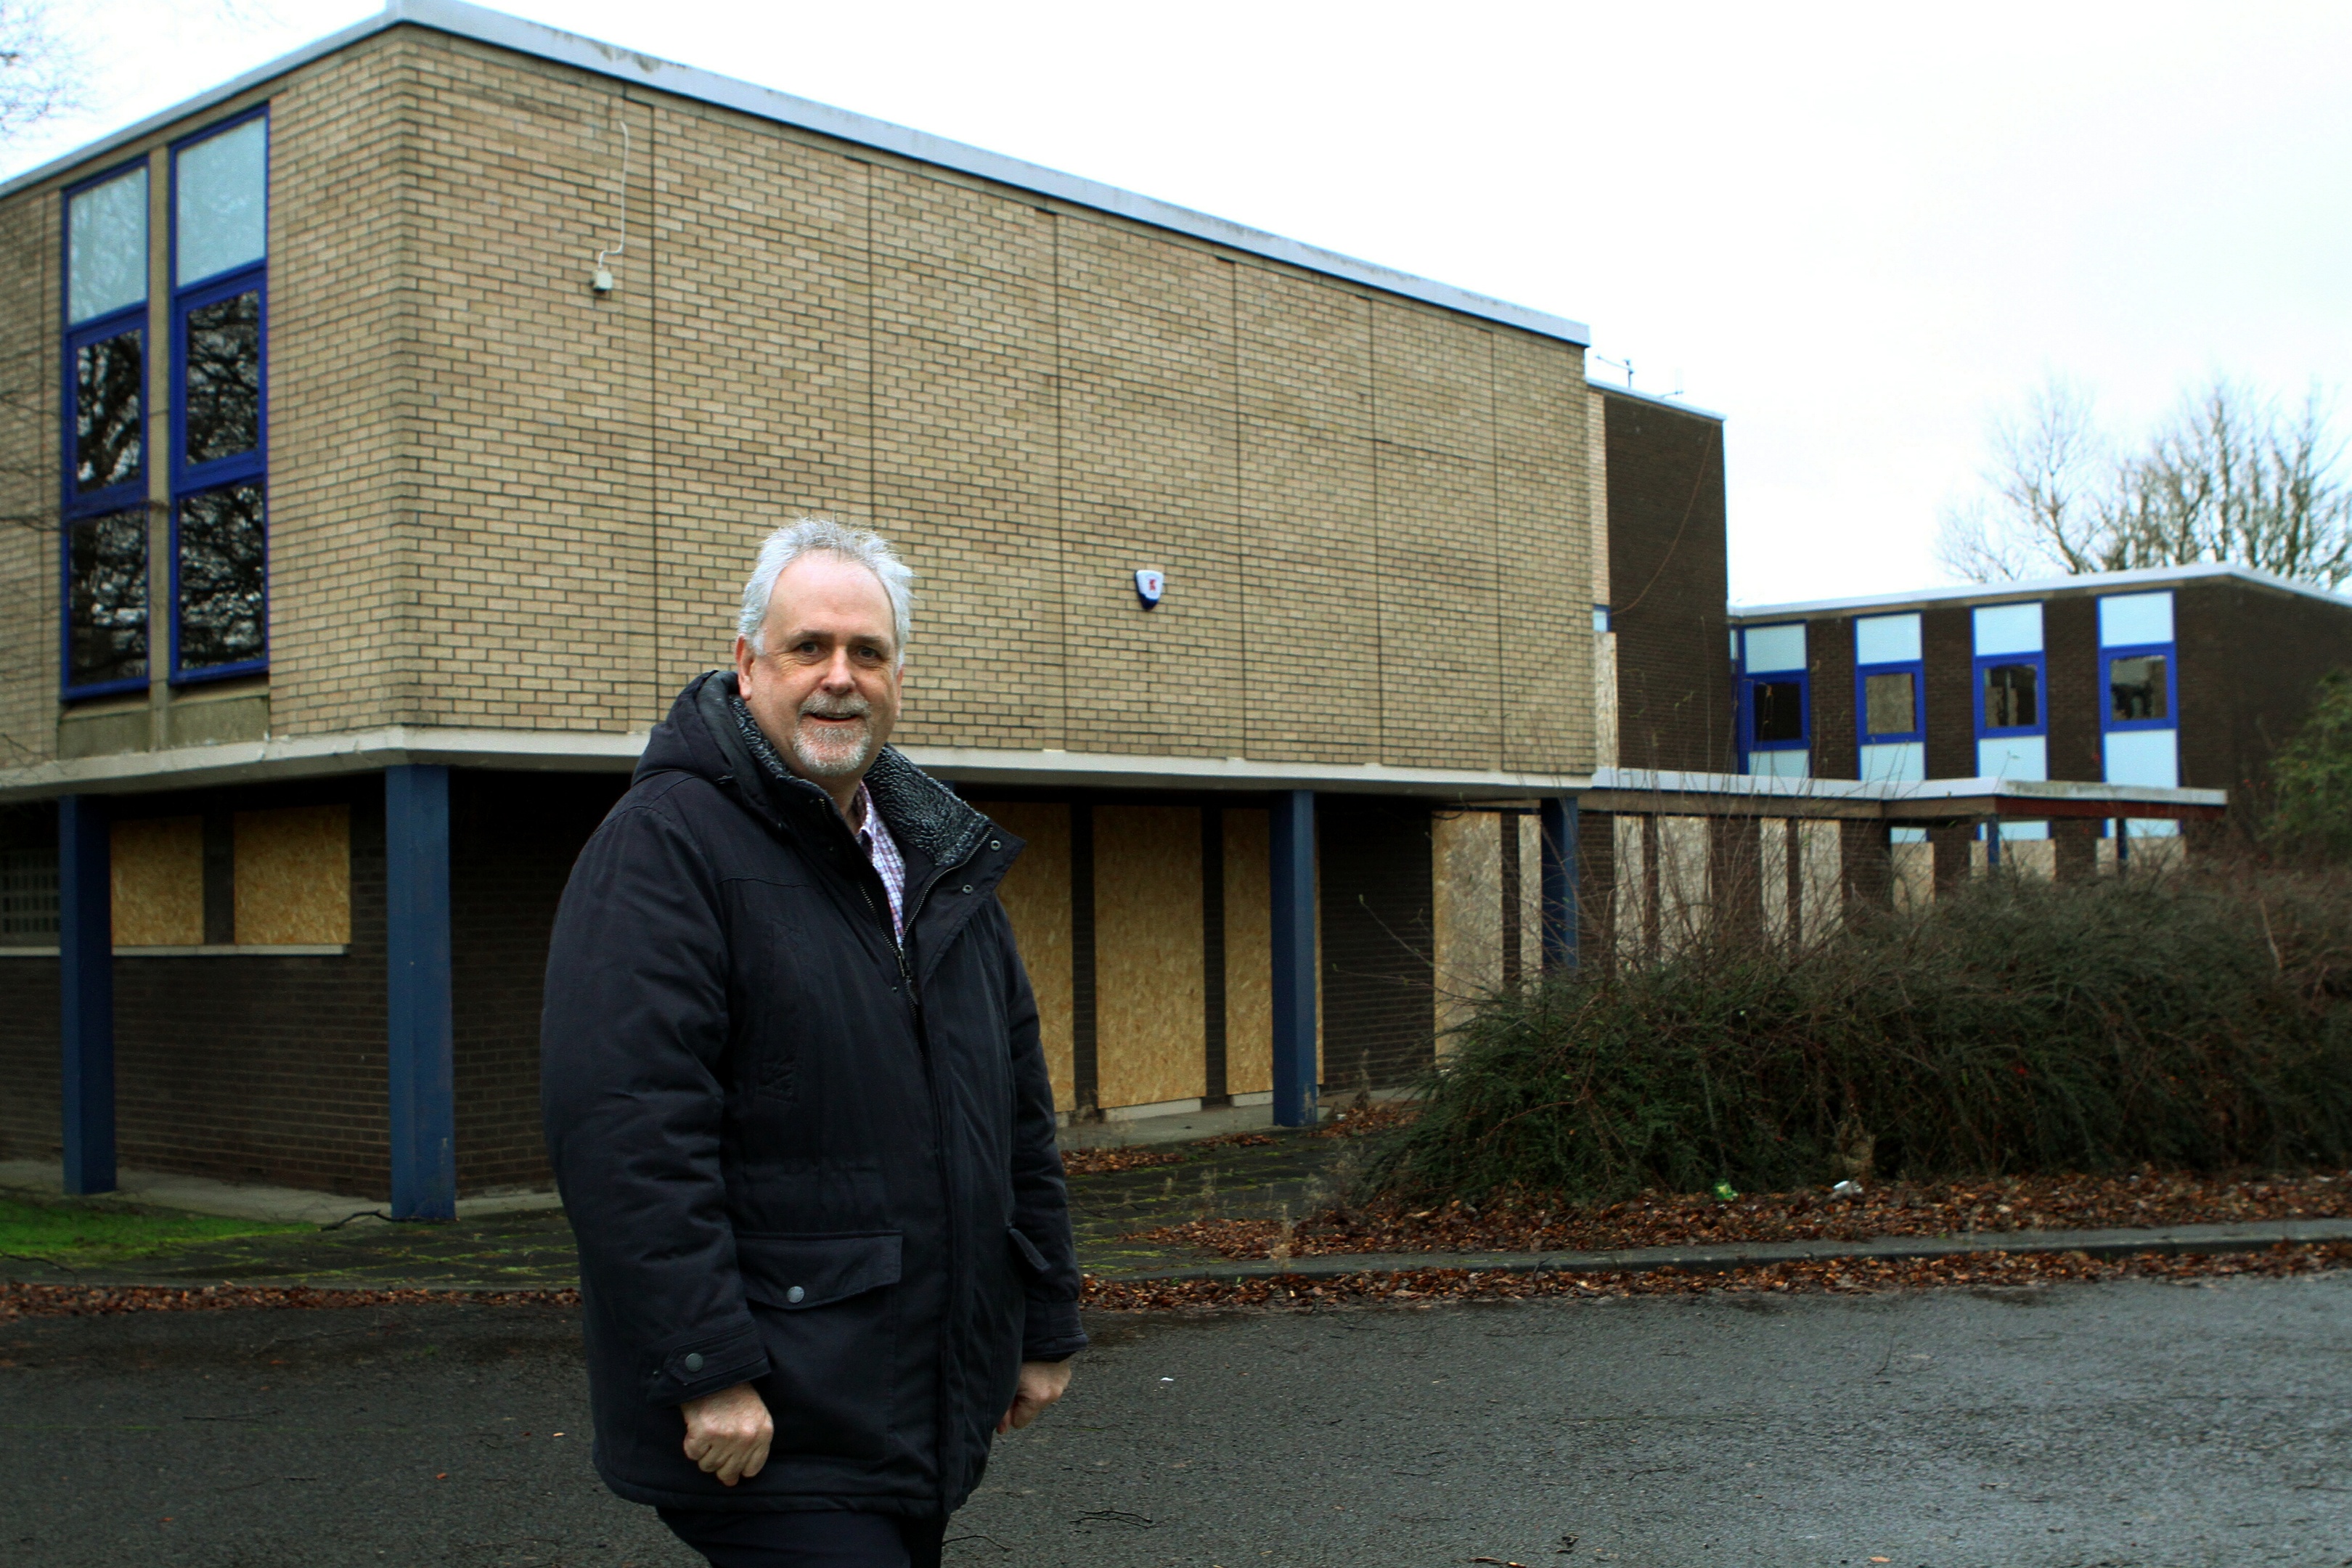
{"points": [[795, 1295], [694, 1361]]}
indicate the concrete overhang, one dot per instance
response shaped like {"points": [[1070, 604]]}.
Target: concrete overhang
{"points": [[560, 751], [1909, 803]]}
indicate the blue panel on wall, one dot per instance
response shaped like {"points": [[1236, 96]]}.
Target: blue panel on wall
{"points": [[417, 1006]]}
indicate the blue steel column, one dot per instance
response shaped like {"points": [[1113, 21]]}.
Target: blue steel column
{"points": [[1557, 818], [417, 1012], [86, 976], [1294, 958]]}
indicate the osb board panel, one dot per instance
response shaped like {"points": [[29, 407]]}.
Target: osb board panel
{"points": [[1915, 873], [294, 876], [1530, 911], [1630, 915], [1466, 854], [1037, 894], [1685, 892], [1249, 954], [1821, 891], [159, 881], [1151, 1039]]}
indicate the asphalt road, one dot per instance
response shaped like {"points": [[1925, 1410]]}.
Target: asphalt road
{"points": [[2132, 1422]]}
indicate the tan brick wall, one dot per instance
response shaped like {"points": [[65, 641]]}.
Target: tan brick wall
{"points": [[29, 349], [499, 499]]}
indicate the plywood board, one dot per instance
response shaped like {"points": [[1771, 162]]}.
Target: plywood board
{"points": [[1530, 910], [294, 876], [1037, 894], [1249, 953], [159, 881], [1465, 904], [1630, 911], [1914, 866], [1151, 1042], [1820, 866], [1772, 863], [1685, 890]]}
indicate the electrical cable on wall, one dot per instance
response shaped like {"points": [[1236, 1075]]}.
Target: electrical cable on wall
{"points": [[602, 279]]}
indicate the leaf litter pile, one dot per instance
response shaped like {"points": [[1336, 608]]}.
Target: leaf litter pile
{"points": [[1431, 1287], [108, 1300], [2008, 1204]]}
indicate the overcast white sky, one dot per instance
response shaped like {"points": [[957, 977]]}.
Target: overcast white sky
{"points": [[1853, 229]]}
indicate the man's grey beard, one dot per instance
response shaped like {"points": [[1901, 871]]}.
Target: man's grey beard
{"points": [[849, 749]]}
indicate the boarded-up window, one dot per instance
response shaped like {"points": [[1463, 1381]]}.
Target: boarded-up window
{"points": [[293, 877], [158, 881]]}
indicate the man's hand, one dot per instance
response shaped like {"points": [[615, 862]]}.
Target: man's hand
{"points": [[1042, 1383], [728, 1433]]}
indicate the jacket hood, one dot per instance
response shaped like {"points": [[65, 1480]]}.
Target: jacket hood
{"points": [[711, 734]]}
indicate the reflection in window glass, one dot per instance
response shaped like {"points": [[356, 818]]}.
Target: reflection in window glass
{"points": [[2136, 687], [1779, 710], [107, 446], [105, 599], [223, 562], [224, 378], [2009, 696], [106, 248], [1887, 704], [222, 210]]}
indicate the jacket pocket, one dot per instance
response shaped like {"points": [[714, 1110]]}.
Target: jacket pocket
{"points": [[1026, 1249], [828, 1319]]}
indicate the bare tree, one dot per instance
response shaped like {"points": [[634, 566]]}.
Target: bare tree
{"points": [[2231, 477], [2042, 475], [40, 73]]}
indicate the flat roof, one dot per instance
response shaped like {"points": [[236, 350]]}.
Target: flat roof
{"points": [[497, 28], [2036, 588]]}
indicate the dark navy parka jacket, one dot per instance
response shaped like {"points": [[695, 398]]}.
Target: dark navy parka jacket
{"points": [[795, 1153]]}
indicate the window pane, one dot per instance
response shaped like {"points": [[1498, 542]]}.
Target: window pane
{"points": [[107, 444], [1780, 710], [2009, 696], [224, 348], [2136, 687], [105, 591], [1776, 647], [221, 577], [223, 183], [1888, 708], [106, 261], [28, 895]]}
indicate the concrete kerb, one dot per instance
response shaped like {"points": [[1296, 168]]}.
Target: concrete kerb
{"points": [[2114, 1243], [42, 1181]]}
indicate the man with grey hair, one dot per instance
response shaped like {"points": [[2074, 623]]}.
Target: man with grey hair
{"points": [[797, 1106]]}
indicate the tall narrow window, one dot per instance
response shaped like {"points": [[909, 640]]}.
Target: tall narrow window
{"points": [[102, 515], [1775, 698], [2140, 739], [2013, 716], [220, 524], [1890, 695]]}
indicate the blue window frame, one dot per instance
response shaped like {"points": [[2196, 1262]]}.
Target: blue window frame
{"points": [[2012, 695], [220, 401], [1775, 696], [103, 626], [2142, 687]]}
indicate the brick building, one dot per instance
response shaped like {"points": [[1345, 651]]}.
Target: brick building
{"points": [[2166, 678], [419, 400]]}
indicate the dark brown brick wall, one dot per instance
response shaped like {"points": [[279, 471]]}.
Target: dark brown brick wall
{"points": [[513, 838], [1947, 643], [2249, 659], [1667, 584], [1828, 655], [2070, 663]]}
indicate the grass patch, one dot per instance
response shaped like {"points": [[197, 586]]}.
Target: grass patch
{"points": [[76, 1234], [2013, 1027]]}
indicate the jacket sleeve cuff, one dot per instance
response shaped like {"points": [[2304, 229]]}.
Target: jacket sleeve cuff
{"points": [[1052, 1332], [699, 1364]]}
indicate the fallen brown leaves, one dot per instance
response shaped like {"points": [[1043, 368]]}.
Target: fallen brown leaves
{"points": [[104, 1301], [1098, 1162], [2008, 1204], [1840, 1276]]}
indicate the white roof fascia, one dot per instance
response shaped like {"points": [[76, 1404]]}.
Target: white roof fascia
{"points": [[502, 31], [1659, 399], [319, 756], [2039, 587]]}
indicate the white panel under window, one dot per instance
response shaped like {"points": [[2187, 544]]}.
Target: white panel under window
{"points": [[1791, 764], [106, 248], [2022, 832], [1896, 762], [2013, 757], [224, 207], [1776, 647], [2130, 620], [2151, 827], [2009, 629], [1906, 835], [1886, 639], [2149, 757]]}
